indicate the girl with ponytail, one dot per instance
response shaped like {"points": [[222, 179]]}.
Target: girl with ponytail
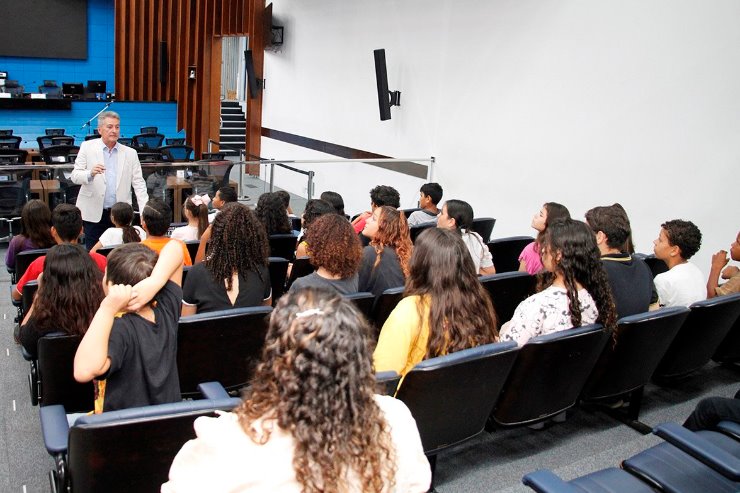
{"points": [[121, 215]]}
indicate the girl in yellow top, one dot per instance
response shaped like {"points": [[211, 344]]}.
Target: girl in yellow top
{"points": [[445, 308]]}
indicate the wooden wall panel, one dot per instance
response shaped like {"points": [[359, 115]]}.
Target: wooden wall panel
{"points": [[192, 30]]}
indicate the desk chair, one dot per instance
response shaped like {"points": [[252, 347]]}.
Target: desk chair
{"points": [[179, 152], [60, 154], [54, 132], [151, 141], [12, 87], [173, 142], [10, 142], [149, 130], [52, 140], [13, 156], [52, 91]]}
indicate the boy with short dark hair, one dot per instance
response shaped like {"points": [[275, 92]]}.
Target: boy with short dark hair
{"points": [[683, 284], [379, 196], [429, 196], [132, 342], [156, 218], [223, 196]]}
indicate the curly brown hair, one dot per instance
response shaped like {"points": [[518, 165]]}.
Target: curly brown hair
{"points": [[271, 213], [334, 245], [393, 231], [238, 244], [316, 381]]}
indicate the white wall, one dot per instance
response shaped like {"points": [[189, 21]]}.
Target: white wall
{"points": [[583, 102]]}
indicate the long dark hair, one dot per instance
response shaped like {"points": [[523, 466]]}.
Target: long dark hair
{"points": [[460, 311], [461, 212], [36, 224], [555, 212], [200, 212], [238, 244], [70, 291], [574, 242], [316, 381], [123, 215], [393, 231], [271, 213]]}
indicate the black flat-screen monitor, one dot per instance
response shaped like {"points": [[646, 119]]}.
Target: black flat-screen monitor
{"points": [[96, 86], [73, 89]]}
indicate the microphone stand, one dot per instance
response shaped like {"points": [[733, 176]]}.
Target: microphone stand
{"points": [[89, 122]]}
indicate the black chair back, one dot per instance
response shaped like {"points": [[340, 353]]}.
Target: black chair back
{"points": [[151, 141], [283, 245], [104, 251], [10, 142], [177, 152], [92, 136], [384, 305], [451, 396], [125, 141], [705, 328], [415, 231], [363, 301], [628, 364], [192, 246], [174, 141], [301, 267], [506, 251], [56, 383], [729, 350], [54, 132], [533, 391], [59, 154], [386, 382], [278, 268], [222, 346], [295, 223], [185, 270], [29, 291], [149, 130], [24, 259], [507, 290], [484, 226], [13, 156], [656, 265]]}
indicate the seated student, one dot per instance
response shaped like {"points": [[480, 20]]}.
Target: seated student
{"points": [[429, 196], [311, 420], [711, 410], [271, 213], [457, 215], [335, 251], [132, 340], [683, 284], [385, 261], [314, 209], [195, 210], [285, 197], [444, 309], [629, 277], [576, 293], [224, 195], [335, 200], [35, 231], [731, 274], [155, 219], [530, 260], [121, 215], [70, 291], [66, 228], [379, 196], [234, 273]]}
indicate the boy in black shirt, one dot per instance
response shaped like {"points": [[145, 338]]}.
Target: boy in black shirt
{"points": [[132, 342]]}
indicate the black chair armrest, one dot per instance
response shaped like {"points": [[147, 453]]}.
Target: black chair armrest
{"points": [[700, 449], [16, 303], [213, 390], [729, 428], [54, 428], [544, 481]]}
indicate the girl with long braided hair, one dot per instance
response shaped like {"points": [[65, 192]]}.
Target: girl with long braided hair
{"points": [[234, 273], [573, 292], [310, 422]]}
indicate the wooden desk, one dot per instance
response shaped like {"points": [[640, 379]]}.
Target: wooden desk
{"points": [[44, 187]]}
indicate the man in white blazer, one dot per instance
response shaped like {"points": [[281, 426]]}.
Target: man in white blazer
{"points": [[107, 171]]}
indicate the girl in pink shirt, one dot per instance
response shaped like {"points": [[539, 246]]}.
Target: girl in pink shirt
{"points": [[529, 259]]}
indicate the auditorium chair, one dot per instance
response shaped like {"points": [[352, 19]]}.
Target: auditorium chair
{"points": [[121, 451], [704, 330], [451, 396], [147, 141], [363, 301], [24, 259], [729, 349], [484, 226], [192, 246], [295, 223], [301, 267], [12, 87], [386, 382], [625, 366], [415, 231], [127, 141], [13, 156], [92, 136], [51, 89], [59, 154], [222, 346], [533, 391], [173, 141], [11, 142], [384, 305], [656, 265], [179, 152], [51, 379], [278, 268], [507, 290], [283, 245], [54, 140], [54, 132], [506, 251], [29, 291], [149, 130]]}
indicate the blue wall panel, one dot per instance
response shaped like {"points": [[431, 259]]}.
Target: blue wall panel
{"points": [[31, 72], [30, 124]]}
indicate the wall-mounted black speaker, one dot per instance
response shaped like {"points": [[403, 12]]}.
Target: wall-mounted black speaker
{"points": [[386, 98], [254, 83], [163, 63]]}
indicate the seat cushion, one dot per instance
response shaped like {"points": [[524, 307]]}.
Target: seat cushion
{"points": [[611, 480]]}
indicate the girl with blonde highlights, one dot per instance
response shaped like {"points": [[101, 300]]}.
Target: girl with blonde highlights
{"points": [[310, 422], [385, 262]]}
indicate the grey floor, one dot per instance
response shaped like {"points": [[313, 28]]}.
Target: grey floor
{"points": [[492, 462]]}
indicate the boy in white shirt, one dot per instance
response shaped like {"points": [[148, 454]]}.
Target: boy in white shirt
{"points": [[684, 283]]}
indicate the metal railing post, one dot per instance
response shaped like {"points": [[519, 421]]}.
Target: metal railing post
{"points": [[310, 185], [272, 176]]}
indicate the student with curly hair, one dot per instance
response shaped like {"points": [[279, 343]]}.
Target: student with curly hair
{"points": [[311, 421], [335, 251], [271, 213], [445, 308], [530, 259], [234, 273], [576, 291], [195, 210], [385, 262], [314, 209], [121, 215], [683, 284], [70, 291], [35, 231], [457, 215]]}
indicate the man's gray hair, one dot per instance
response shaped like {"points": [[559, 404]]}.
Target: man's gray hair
{"points": [[107, 114]]}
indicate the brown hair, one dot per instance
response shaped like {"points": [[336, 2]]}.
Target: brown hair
{"points": [[393, 231], [130, 263], [122, 215], [36, 224], [334, 245], [199, 212]]}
